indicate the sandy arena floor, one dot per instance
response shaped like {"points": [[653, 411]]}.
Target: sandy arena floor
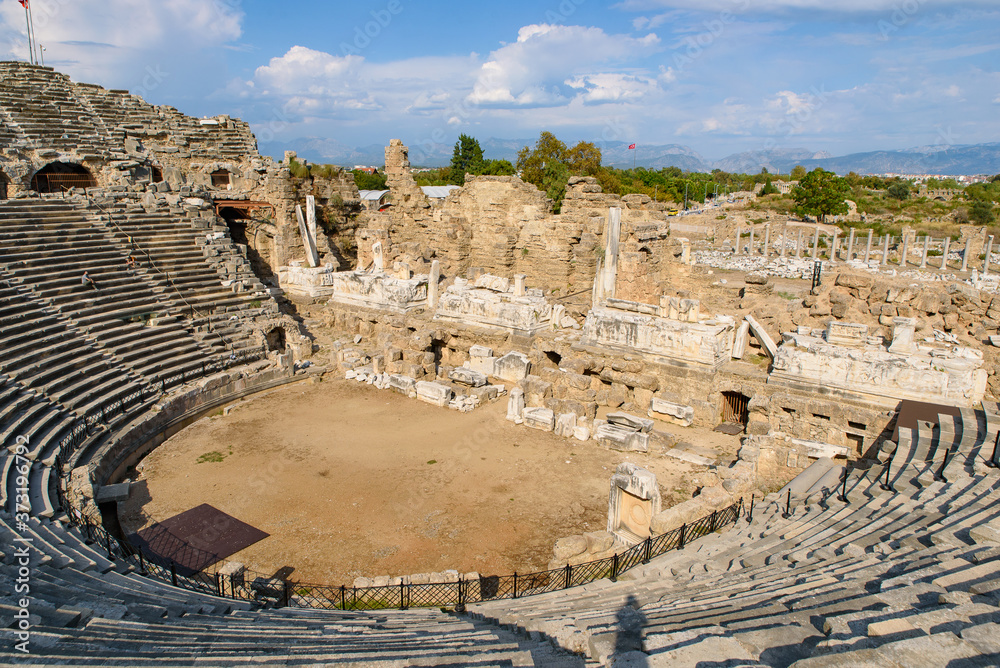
{"points": [[350, 481]]}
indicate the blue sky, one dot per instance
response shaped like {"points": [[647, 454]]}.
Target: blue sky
{"points": [[720, 76]]}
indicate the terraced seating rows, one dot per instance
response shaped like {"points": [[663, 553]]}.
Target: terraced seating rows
{"points": [[87, 611], [881, 574]]}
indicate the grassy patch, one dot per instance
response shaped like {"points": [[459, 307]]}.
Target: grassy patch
{"points": [[214, 457], [433, 461]]}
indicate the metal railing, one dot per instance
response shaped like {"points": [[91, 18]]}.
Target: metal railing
{"points": [[257, 588]]}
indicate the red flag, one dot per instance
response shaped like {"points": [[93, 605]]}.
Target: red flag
{"points": [[631, 146], [24, 3]]}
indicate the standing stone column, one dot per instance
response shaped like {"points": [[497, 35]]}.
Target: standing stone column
{"points": [[944, 254], [906, 250], [798, 245], [833, 246], [885, 251], [989, 251], [868, 248], [850, 247], [927, 247], [965, 255], [816, 244], [782, 244], [739, 234], [751, 243], [519, 280], [611, 250], [767, 240], [432, 284]]}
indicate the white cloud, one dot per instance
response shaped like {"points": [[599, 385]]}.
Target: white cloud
{"points": [[533, 70], [119, 42], [766, 6]]}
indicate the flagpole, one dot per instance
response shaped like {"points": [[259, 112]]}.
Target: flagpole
{"points": [[27, 22], [31, 22]]}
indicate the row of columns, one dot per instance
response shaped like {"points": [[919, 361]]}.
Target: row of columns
{"points": [[834, 248]]}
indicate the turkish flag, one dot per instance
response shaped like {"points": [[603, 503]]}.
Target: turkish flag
{"points": [[631, 146], [24, 3]]}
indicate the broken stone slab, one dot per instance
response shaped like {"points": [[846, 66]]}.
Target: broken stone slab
{"points": [[689, 457], [566, 425], [483, 365], [818, 449], [515, 406], [995, 341], [512, 367], [403, 384], [539, 418], [113, 493], [740, 340], [986, 534], [433, 393], [632, 422], [765, 339], [581, 434], [676, 413], [621, 439], [467, 377], [480, 351]]}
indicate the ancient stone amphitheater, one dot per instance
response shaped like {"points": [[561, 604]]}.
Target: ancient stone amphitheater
{"points": [[889, 556]]}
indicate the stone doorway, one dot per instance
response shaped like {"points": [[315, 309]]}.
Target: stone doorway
{"points": [[735, 408], [276, 339], [4, 185], [253, 233], [56, 177]]}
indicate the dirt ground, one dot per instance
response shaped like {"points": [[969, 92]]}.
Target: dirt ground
{"points": [[349, 480]]}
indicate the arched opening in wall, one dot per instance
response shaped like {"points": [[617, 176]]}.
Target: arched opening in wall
{"points": [[4, 185], [255, 233], [735, 408], [276, 339], [58, 176], [156, 174], [221, 178]]}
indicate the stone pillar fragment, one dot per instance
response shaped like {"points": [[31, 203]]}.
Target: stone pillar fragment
{"points": [[432, 284], [965, 255], [906, 250], [751, 242], [868, 248], [989, 252], [782, 251], [519, 284], [850, 247], [612, 236], [798, 245], [739, 237], [833, 246], [816, 244], [944, 253], [903, 334], [885, 250], [767, 241], [927, 248], [308, 241]]}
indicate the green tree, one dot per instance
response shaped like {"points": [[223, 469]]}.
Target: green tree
{"points": [[466, 159], [981, 212], [498, 168], [584, 159], [768, 188], [899, 191], [798, 171], [366, 181], [821, 193], [545, 166]]}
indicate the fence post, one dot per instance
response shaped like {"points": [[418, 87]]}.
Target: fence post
{"points": [[287, 587], [843, 493], [402, 595], [753, 497], [649, 548], [107, 546], [614, 568], [142, 563], [343, 597], [515, 584], [939, 476], [887, 486], [684, 528], [90, 535], [461, 595], [173, 573], [218, 583], [713, 521], [788, 506]]}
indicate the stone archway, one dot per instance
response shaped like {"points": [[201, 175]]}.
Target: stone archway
{"points": [[276, 340], [58, 176], [4, 186], [250, 225]]}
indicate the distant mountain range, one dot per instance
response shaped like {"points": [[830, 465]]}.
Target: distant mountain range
{"points": [[944, 160]]}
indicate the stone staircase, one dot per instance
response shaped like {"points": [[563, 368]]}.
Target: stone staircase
{"points": [[86, 610], [885, 575]]}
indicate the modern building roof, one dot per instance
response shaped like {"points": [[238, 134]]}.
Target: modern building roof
{"points": [[438, 192], [372, 195]]}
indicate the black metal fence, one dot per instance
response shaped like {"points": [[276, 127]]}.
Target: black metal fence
{"points": [[260, 589]]}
